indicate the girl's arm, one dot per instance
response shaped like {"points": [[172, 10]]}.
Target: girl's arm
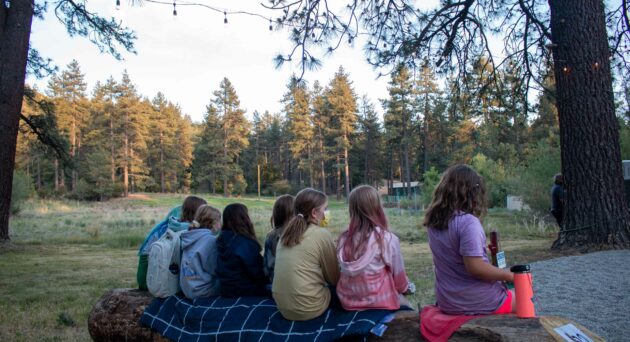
{"points": [[484, 271], [328, 260], [397, 264]]}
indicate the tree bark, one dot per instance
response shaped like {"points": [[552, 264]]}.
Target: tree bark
{"points": [[112, 149], [15, 30], [347, 171], [56, 175], [596, 214], [338, 188]]}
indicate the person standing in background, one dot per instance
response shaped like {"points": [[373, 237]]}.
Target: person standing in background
{"points": [[557, 198]]}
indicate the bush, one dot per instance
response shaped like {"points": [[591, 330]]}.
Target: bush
{"points": [[533, 181], [430, 180], [281, 187], [496, 178], [22, 190]]}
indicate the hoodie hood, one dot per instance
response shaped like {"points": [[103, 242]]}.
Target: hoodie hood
{"points": [[368, 259], [197, 236], [176, 225]]}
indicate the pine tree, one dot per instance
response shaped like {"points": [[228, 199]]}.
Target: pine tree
{"points": [[321, 118], [399, 119], [342, 102], [235, 130], [69, 93], [370, 142], [300, 127], [427, 97], [209, 163]]}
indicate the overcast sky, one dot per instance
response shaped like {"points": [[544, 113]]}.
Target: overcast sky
{"points": [[187, 56]]}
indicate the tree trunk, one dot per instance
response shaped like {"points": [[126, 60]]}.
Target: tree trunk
{"points": [[322, 162], [39, 173], [347, 171], [73, 152], [225, 176], [56, 163], [15, 30], [162, 179], [596, 213], [126, 161], [112, 149], [338, 189], [116, 315]]}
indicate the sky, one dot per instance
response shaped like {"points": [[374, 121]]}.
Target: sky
{"points": [[186, 56]]}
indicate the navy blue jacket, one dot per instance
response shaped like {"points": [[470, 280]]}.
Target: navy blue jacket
{"points": [[239, 266]]}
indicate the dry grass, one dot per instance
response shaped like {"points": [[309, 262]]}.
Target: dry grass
{"points": [[65, 254]]}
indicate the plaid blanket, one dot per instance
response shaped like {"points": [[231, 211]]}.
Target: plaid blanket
{"points": [[253, 319]]}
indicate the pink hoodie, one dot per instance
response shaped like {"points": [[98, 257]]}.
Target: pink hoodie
{"points": [[375, 280]]}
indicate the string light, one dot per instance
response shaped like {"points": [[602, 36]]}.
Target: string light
{"points": [[225, 17], [270, 27], [117, 4], [174, 9]]}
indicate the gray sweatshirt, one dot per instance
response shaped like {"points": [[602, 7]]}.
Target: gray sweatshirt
{"points": [[199, 259]]}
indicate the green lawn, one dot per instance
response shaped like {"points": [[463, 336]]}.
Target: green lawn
{"points": [[65, 254]]}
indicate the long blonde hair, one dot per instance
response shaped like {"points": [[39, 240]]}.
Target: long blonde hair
{"points": [[305, 201], [366, 213], [206, 217]]}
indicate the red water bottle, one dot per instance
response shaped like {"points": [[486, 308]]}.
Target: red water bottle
{"points": [[494, 247], [523, 287]]}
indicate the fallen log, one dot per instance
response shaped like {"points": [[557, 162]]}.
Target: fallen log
{"points": [[115, 318]]}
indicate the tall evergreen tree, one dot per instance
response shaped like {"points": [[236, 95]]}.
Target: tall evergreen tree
{"points": [[342, 102], [235, 130], [300, 127], [399, 119], [69, 93]]}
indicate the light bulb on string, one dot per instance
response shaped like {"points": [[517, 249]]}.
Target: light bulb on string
{"points": [[117, 4], [270, 27], [225, 17], [174, 9]]}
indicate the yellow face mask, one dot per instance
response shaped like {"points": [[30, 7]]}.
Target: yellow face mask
{"points": [[325, 221]]}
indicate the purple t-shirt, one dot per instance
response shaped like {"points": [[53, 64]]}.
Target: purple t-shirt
{"points": [[456, 290]]}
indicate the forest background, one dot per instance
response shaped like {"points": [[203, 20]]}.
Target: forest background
{"points": [[117, 141]]}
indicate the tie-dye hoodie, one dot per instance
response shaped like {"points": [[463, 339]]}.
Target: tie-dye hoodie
{"points": [[376, 279]]}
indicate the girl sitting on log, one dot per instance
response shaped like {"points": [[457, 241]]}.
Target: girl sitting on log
{"points": [[372, 268], [239, 264], [282, 213], [197, 276], [306, 264], [465, 282], [178, 219]]}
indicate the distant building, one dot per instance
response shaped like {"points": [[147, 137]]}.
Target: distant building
{"points": [[515, 203], [399, 189]]}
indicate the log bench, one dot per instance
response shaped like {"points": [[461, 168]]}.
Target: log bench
{"points": [[115, 318]]}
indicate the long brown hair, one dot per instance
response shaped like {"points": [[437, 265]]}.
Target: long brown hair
{"points": [[236, 219], [283, 211], [305, 201], [460, 189], [190, 206], [366, 213], [206, 217]]}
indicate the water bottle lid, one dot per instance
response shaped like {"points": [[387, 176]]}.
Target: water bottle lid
{"points": [[520, 269]]}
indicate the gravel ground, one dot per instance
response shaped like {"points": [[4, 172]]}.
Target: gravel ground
{"points": [[591, 289]]}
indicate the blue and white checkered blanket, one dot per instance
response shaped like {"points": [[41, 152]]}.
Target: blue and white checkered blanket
{"points": [[253, 319]]}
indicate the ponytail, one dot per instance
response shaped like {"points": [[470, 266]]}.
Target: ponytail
{"points": [[305, 201], [294, 231]]}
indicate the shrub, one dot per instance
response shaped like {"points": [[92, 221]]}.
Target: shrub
{"points": [[534, 179], [21, 191], [496, 178], [430, 180], [280, 187]]}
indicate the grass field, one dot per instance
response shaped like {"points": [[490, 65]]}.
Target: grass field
{"points": [[64, 255]]}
